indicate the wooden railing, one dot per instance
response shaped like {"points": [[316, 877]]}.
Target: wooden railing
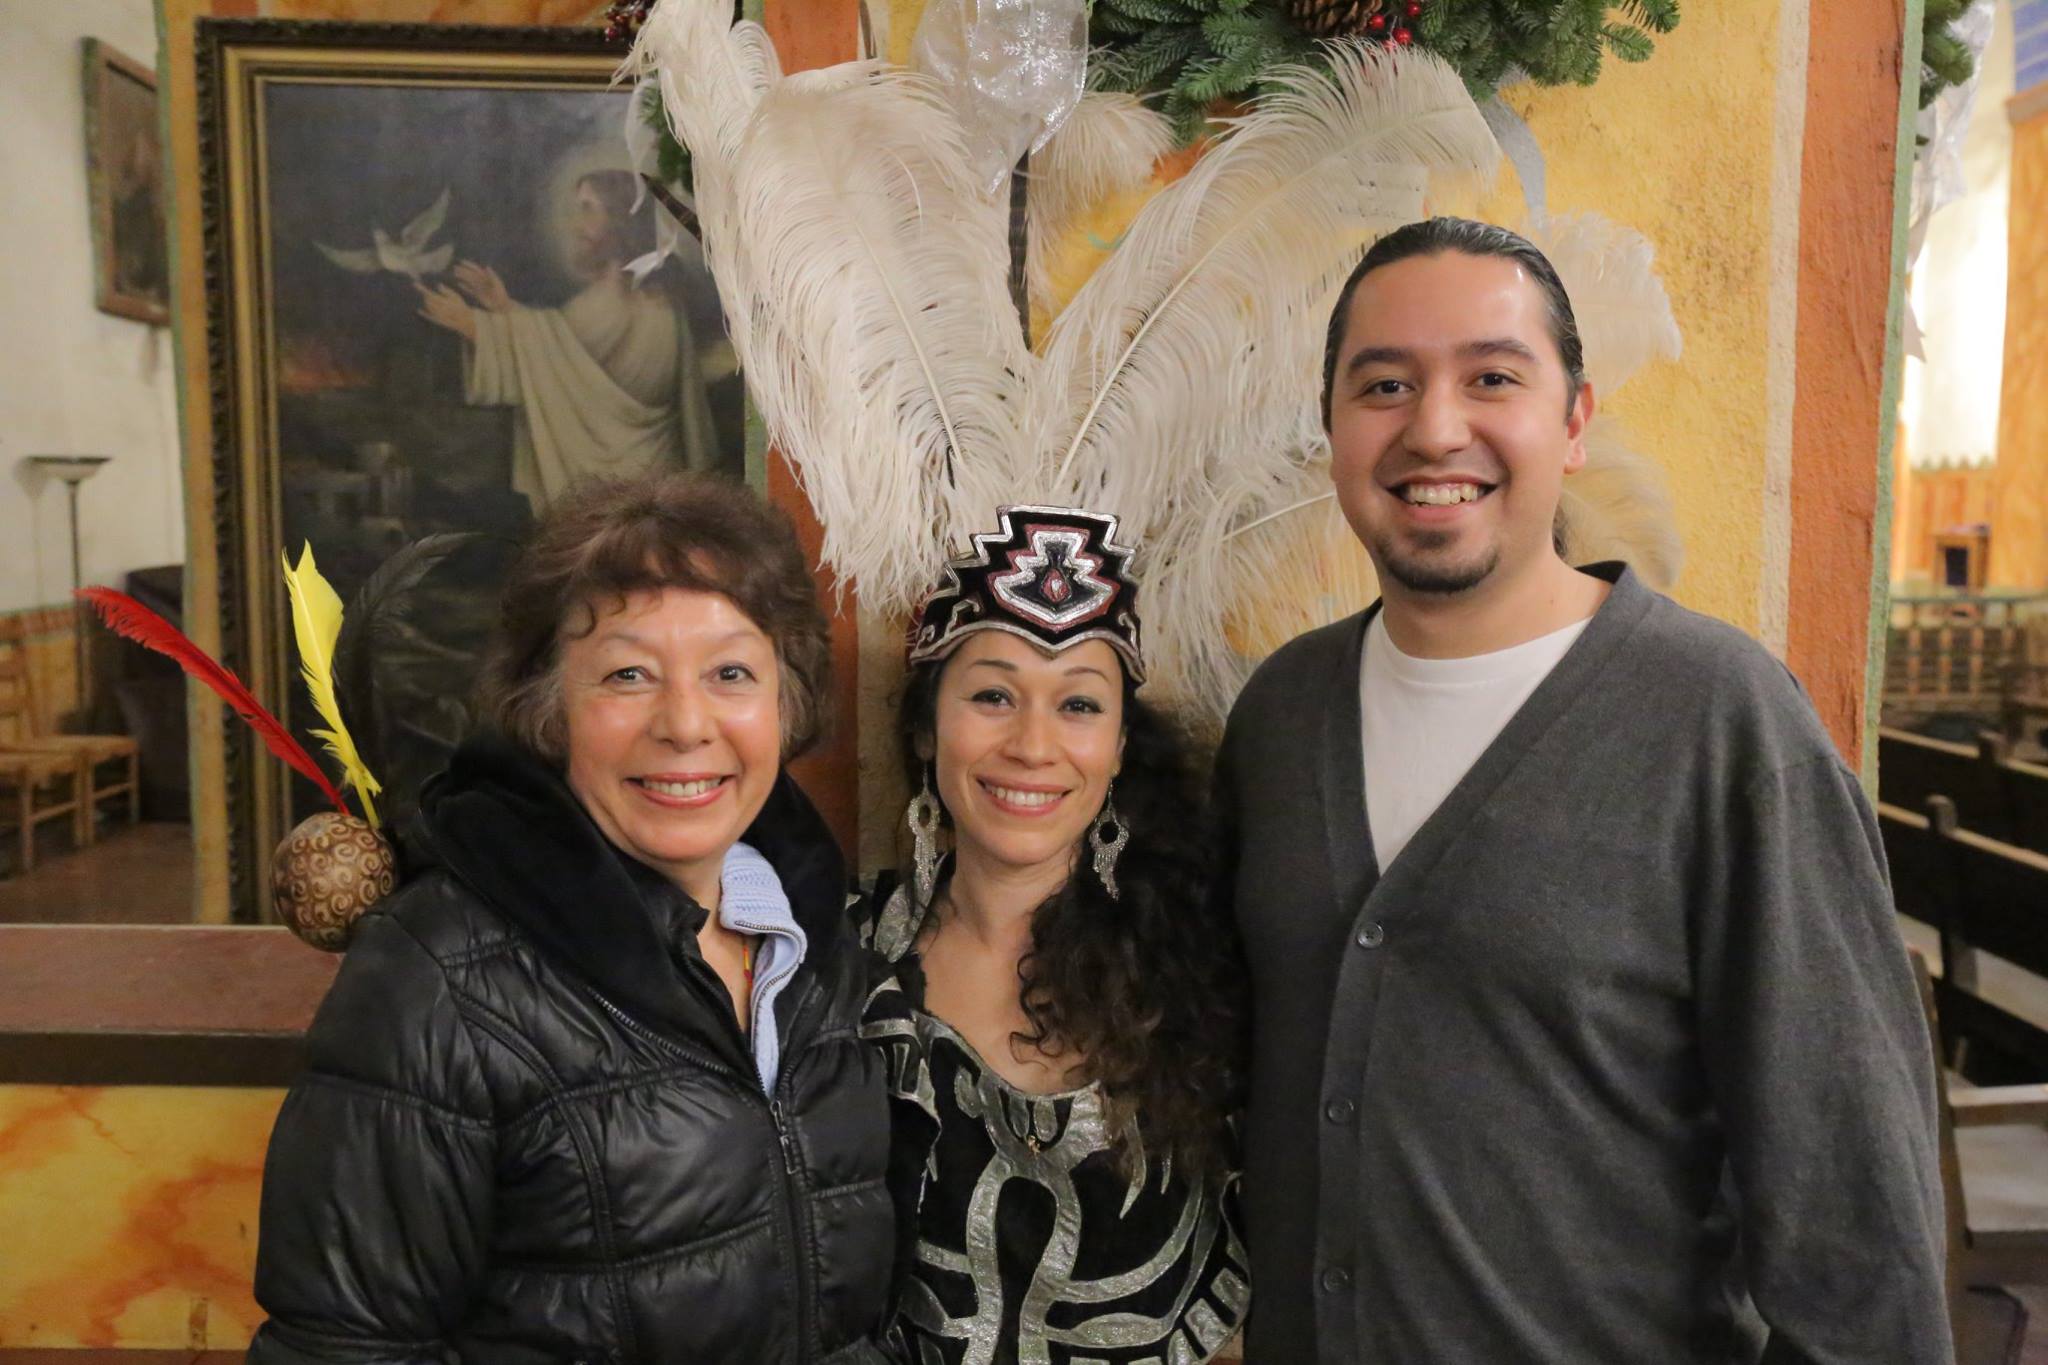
{"points": [[1983, 657]]}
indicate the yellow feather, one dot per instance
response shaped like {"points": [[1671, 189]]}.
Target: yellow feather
{"points": [[316, 621]]}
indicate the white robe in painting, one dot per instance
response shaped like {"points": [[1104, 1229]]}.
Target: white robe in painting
{"points": [[607, 385]]}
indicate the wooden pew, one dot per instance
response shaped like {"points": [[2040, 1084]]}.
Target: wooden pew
{"points": [[1983, 899], [1979, 895], [1994, 795], [1993, 1189]]}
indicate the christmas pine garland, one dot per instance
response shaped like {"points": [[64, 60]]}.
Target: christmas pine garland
{"points": [[1944, 60], [1198, 52]]}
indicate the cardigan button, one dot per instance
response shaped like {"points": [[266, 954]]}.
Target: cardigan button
{"points": [[1339, 1111], [1336, 1280], [1372, 935]]}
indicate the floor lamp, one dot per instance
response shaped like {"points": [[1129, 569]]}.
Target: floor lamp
{"points": [[75, 470]]}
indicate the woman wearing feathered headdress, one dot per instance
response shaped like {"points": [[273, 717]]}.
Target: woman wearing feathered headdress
{"points": [[1064, 1022]]}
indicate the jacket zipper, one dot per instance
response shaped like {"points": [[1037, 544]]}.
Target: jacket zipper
{"points": [[797, 1211], [796, 1206], [789, 1188], [668, 1045]]}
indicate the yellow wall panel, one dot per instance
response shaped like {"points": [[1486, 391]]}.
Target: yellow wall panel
{"points": [[143, 1199], [1681, 149], [2019, 528]]}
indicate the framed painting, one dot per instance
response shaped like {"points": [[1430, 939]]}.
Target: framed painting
{"points": [[422, 323], [124, 176]]}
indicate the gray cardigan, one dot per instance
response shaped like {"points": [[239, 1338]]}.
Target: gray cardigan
{"points": [[1621, 1061]]}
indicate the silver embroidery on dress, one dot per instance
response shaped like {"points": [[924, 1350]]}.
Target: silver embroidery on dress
{"points": [[1044, 1139]]}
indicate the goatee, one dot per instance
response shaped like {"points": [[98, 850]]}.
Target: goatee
{"points": [[1425, 572]]}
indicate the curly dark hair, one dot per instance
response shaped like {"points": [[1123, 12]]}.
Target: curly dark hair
{"points": [[1149, 989], [605, 539]]}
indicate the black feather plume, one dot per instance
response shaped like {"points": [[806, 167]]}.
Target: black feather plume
{"points": [[371, 620]]}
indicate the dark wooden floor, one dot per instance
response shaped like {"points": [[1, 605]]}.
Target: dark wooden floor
{"points": [[133, 874]]}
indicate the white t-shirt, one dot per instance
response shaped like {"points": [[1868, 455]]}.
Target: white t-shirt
{"points": [[1426, 721]]}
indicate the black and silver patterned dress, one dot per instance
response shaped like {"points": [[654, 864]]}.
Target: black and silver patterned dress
{"points": [[1031, 1245]]}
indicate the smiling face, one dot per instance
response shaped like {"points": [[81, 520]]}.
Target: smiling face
{"points": [[674, 732], [1452, 422], [1025, 746]]}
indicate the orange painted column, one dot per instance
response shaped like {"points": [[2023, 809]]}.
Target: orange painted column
{"points": [[2019, 527], [1845, 264]]}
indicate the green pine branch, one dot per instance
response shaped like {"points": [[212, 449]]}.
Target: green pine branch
{"points": [[1658, 16], [1944, 61], [1628, 42], [1153, 11], [1109, 19], [1193, 53], [672, 158]]}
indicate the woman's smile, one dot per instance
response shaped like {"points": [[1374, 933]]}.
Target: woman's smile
{"points": [[682, 792], [1031, 801]]}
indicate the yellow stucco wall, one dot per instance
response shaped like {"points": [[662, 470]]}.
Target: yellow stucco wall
{"points": [[1681, 149], [143, 1205], [1933, 501], [2019, 525]]}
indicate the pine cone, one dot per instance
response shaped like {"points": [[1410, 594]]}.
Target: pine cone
{"points": [[1334, 18]]}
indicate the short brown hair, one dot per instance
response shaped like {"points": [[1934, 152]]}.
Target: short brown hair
{"points": [[604, 540]]}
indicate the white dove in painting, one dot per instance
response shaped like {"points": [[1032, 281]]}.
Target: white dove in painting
{"points": [[406, 254]]}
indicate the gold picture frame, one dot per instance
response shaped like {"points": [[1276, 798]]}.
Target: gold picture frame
{"points": [[342, 415], [124, 176]]}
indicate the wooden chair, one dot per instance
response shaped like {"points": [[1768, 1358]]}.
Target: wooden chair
{"points": [[1994, 1177], [38, 787], [1988, 902], [120, 755]]}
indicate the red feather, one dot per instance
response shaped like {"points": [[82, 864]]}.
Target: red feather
{"points": [[128, 618]]}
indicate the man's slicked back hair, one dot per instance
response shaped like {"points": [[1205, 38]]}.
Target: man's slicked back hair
{"points": [[1435, 236]]}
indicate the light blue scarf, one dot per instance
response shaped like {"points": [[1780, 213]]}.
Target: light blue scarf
{"points": [[751, 901]]}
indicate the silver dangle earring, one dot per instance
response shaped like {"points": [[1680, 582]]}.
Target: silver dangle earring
{"points": [[923, 816], [1107, 837]]}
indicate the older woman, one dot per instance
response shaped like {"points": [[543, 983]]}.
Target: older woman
{"points": [[1065, 1016], [588, 1087]]}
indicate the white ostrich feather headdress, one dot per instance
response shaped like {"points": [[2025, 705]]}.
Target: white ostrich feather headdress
{"points": [[864, 273]]}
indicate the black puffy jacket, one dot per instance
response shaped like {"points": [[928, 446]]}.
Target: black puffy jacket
{"points": [[532, 1130]]}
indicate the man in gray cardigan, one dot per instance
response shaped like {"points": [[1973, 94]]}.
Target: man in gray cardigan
{"points": [[1582, 1029]]}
